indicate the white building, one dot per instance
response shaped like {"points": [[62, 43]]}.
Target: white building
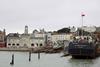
{"points": [[39, 39], [34, 39], [13, 40], [61, 37], [26, 40]]}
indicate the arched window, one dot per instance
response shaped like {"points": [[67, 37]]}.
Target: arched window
{"points": [[32, 44], [13, 44], [41, 44], [9, 44], [17, 44]]}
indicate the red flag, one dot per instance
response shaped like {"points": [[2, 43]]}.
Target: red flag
{"points": [[82, 14]]}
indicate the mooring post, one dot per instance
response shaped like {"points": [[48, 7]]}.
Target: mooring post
{"points": [[38, 55], [12, 62], [29, 55]]}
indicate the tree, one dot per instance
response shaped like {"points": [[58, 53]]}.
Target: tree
{"points": [[64, 30]]}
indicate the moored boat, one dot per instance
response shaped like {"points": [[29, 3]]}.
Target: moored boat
{"points": [[82, 47]]}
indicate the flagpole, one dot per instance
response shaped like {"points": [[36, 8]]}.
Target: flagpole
{"points": [[82, 15]]}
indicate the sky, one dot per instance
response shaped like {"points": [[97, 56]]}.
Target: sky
{"points": [[48, 14]]}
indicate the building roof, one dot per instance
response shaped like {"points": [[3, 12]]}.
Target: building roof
{"points": [[13, 35], [35, 31]]}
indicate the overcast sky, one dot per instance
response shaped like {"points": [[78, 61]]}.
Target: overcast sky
{"points": [[47, 14]]}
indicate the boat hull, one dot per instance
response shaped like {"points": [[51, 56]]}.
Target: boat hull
{"points": [[81, 49]]}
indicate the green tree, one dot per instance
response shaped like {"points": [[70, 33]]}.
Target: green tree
{"points": [[63, 30]]}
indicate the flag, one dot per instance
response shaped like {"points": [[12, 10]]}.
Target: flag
{"points": [[82, 14]]}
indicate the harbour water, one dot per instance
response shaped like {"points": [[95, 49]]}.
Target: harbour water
{"points": [[21, 59]]}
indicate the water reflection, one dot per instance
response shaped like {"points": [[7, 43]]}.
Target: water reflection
{"points": [[46, 60], [81, 62]]}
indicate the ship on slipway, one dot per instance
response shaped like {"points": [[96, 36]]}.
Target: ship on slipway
{"points": [[83, 47]]}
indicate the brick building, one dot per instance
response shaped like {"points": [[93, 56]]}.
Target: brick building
{"points": [[2, 38]]}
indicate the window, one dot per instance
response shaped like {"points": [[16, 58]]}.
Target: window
{"points": [[40, 44], [13, 44], [9, 44], [17, 44], [32, 44]]}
